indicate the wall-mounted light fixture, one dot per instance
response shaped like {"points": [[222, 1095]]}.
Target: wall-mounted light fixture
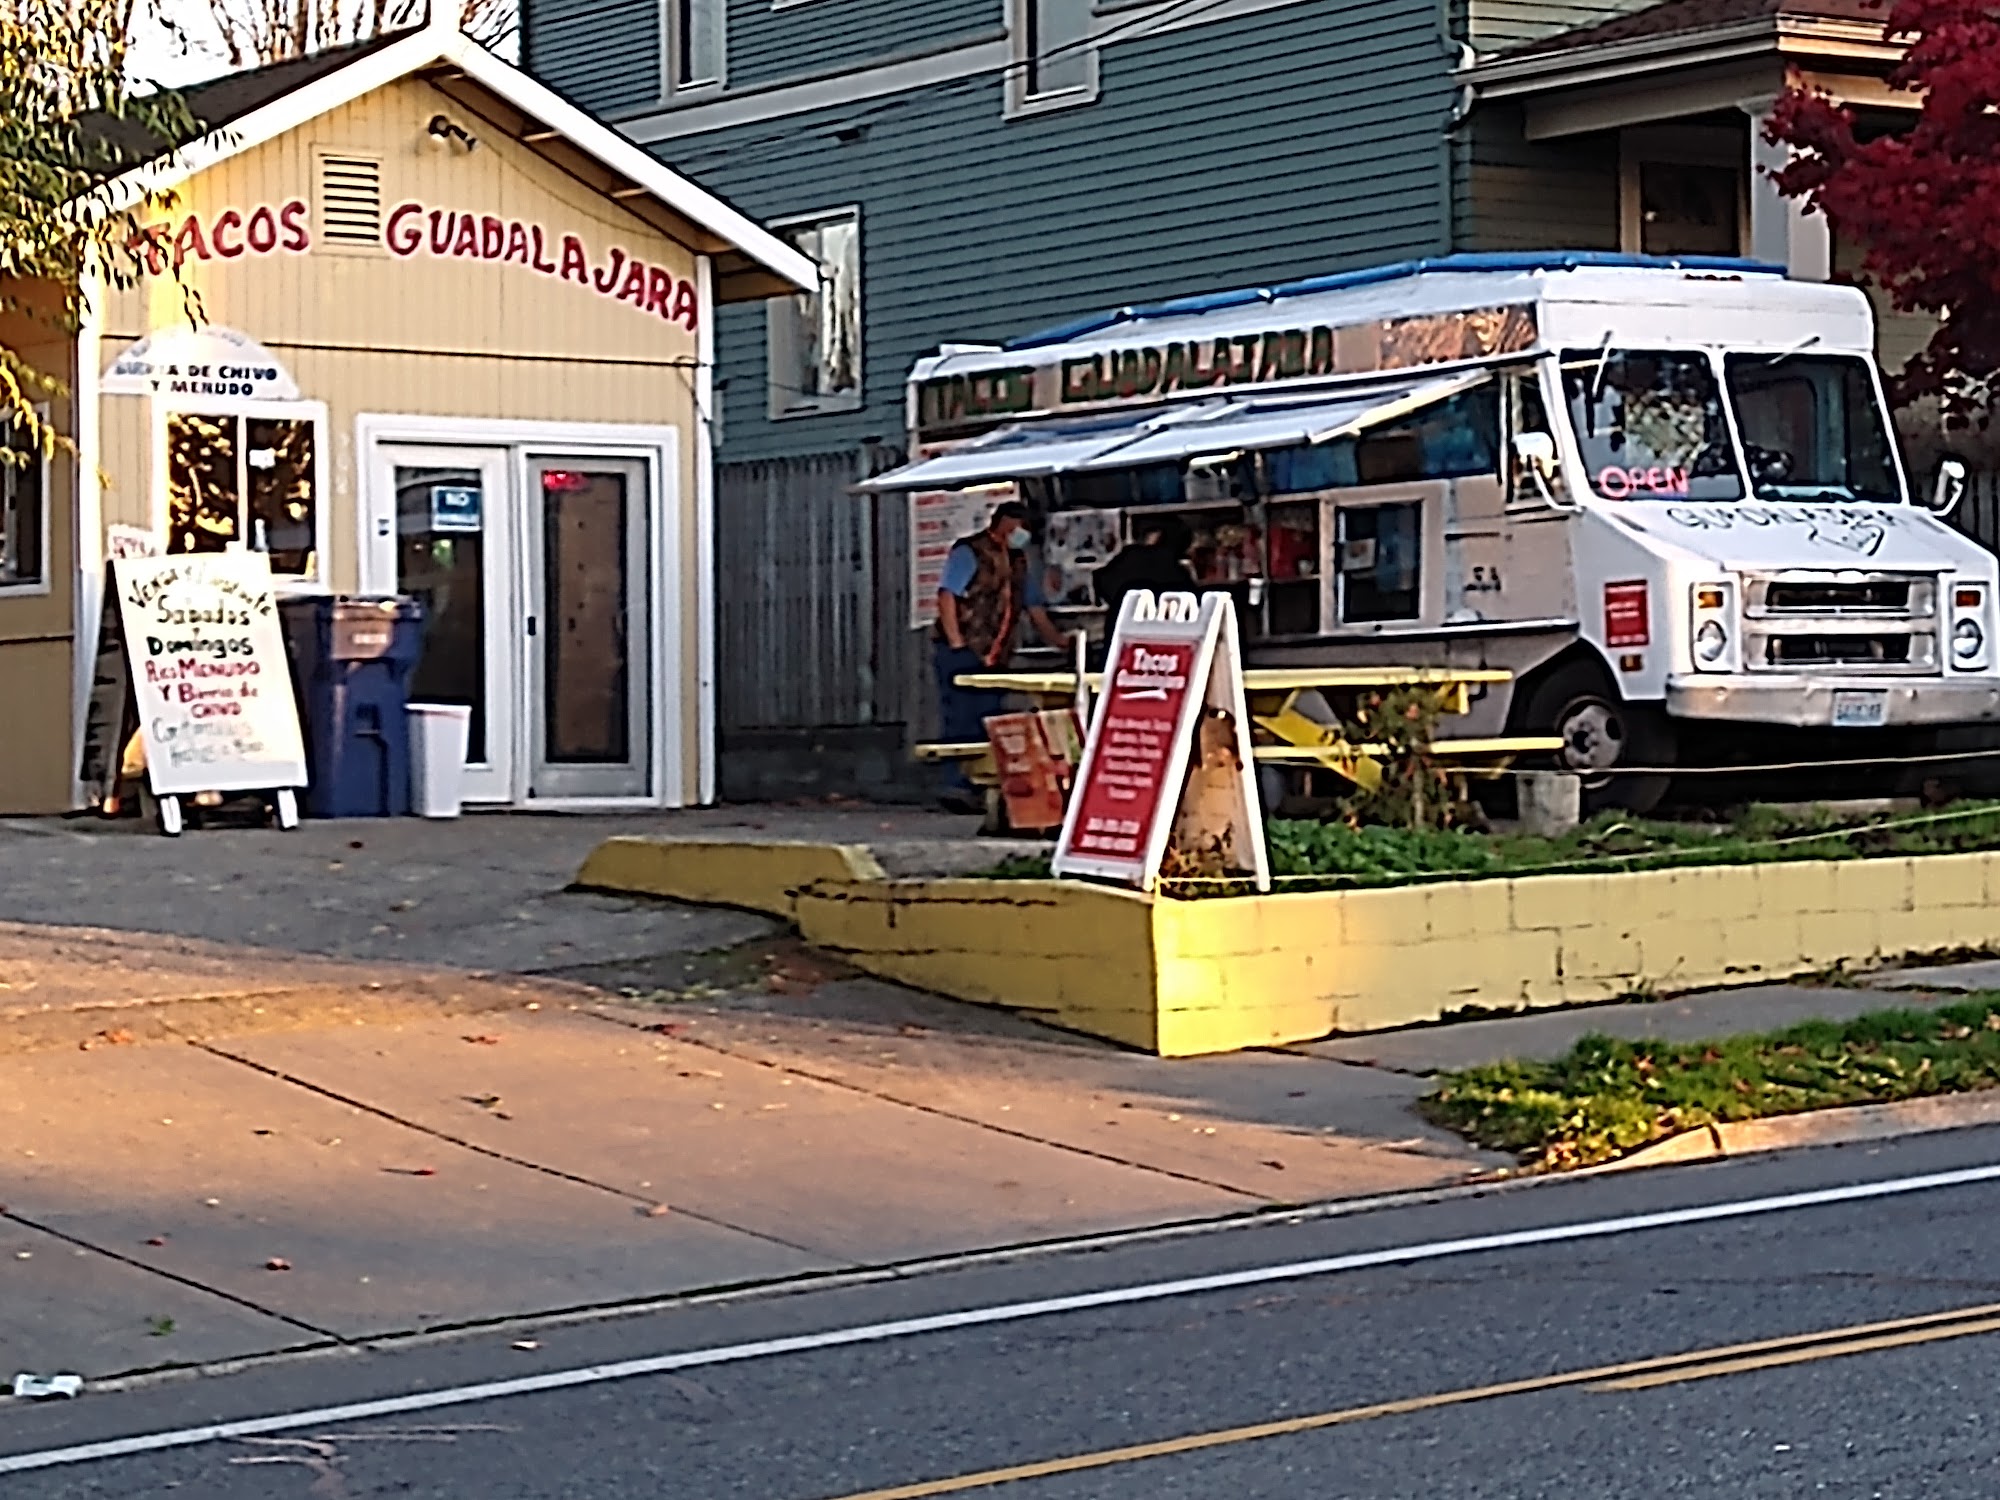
{"points": [[443, 132]]}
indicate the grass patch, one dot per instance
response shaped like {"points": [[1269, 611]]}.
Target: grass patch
{"points": [[1605, 1097], [1308, 855]]}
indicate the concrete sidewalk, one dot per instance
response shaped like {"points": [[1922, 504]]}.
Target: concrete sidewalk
{"points": [[262, 1091]]}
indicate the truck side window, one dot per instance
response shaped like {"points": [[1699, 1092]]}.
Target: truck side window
{"points": [[1379, 555], [1527, 412]]}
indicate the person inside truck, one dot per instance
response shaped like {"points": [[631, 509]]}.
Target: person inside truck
{"points": [[1156, 562]]}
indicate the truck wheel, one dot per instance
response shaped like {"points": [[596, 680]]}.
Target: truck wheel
{"points": [[1601, 733]]}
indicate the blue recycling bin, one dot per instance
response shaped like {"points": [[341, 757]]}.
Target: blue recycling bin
{"points": [[351, 663]]}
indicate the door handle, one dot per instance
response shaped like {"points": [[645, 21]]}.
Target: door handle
{"points": [[531, 625]]}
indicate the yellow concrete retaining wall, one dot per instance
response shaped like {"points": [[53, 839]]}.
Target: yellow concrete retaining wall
{"points": [[1182, 978], [720, 872]]}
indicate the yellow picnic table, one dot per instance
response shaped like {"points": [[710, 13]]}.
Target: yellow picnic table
{"points": [[1273, 694]]}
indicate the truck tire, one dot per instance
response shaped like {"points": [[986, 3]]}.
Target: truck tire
{"points": [[1602, 732]]}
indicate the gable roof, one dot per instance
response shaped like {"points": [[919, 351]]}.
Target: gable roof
{"points": [[243, 110], [1691, 19]]}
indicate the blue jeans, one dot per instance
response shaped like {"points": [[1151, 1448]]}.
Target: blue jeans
{"points": [[962, 712]]}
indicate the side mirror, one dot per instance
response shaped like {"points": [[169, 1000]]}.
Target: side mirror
{"points": [[1950, 489], [1536, 453]]}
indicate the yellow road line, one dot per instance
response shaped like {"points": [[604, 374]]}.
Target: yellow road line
{"points": [[1801, 1356], [1696, 1364]]}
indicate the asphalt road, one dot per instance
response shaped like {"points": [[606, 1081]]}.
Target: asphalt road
{"points": [[1588, 1357]]}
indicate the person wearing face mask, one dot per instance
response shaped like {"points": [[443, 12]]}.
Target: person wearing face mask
{"points": [[985, 591]]}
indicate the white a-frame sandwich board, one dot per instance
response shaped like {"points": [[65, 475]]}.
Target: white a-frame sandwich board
{"points": [[1168, 749]]}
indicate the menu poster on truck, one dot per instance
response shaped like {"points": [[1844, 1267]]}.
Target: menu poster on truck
{"points": [[1168, 757], [209, 675], [939, 520]]}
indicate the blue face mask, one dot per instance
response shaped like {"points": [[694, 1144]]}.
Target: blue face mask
{"points": [[1018, 539]]}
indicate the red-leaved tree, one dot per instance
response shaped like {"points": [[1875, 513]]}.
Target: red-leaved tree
{"points": [[1924, 200]]}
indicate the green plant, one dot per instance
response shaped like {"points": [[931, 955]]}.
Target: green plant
{"points": [[1606, 1096], [1415, 791]]}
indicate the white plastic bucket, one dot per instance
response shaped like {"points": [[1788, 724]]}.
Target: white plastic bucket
{"points": [[439, 733]]}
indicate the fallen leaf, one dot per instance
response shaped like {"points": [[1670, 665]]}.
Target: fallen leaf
{"points": [[527, 1344], [1275, 1166], [156, 1241], [484, 1040], [908, 1030], [484, 1101], [277, 1263], [412, 1171], [656, 1211]]}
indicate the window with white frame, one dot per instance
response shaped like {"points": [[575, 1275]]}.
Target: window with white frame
{"points": [[696, 30], [246, 478], [1054, 63], [24, 514], [815, 340]]}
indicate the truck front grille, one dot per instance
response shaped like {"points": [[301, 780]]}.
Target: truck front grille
{"points": [[1842, 622]]}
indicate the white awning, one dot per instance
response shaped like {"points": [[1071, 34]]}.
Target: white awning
{"points": [[1248, 426], [1164, 435], [1021, 450]]}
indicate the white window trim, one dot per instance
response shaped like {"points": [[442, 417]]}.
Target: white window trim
{"points": [[1020, 103], [671, 42], [46, 583], [785, 406], [313, 411]]}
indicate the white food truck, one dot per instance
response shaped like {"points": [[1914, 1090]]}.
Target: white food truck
{"points": [[1665, 494]]}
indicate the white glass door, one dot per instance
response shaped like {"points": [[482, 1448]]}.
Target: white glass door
{"points": [[589, 710], [440, 530]]}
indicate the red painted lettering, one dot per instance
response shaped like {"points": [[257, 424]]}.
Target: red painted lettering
{"points": [[540, 261], [442, 225], [492, 238], [634, 289], [230, 222], [145, 243], [659, 287], [607, 279], [574, 266], [467, 242], [293, 216], [190, 242], [517, 242], [263, 231], [400, 235], [686, 309]]}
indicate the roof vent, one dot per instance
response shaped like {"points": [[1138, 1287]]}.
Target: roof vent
{"points": [[350, 200]]}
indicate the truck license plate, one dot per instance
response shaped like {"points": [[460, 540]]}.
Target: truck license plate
{"points": [[1860, 710]]}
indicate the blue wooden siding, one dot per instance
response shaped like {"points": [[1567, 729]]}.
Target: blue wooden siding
{"points": [[827, 36], [1297, 140], [1511, 193], [604, 54]]}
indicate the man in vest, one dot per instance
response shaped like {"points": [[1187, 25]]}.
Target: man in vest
{"points": [[986, 589]]}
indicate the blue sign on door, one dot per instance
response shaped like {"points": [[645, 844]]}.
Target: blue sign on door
{"points": [[455, 507]]}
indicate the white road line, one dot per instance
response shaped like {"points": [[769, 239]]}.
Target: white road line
{"points": [[1011, 1312]]}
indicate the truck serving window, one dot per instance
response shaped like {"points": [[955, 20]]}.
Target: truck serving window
{"points": [[1812, 428], [1650, 425]]}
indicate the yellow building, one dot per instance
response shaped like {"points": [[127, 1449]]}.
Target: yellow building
{"points": [[412, 324]]}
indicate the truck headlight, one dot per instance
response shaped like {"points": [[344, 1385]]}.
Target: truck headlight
{"points": [[1967, 640], [1711, 641]]}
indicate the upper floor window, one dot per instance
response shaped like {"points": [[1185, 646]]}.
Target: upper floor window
{"points": [[1053, 63], [815, 339], [695, 50], [24, 561]]}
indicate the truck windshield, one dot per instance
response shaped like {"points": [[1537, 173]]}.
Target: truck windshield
{"points": [[1650, 424], [1812, 427]]}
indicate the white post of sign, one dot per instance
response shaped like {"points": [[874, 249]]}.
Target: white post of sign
{"points": [[1173, 686]]}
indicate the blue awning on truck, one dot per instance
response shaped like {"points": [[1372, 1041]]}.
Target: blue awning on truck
{"points": [[1166, 435]]}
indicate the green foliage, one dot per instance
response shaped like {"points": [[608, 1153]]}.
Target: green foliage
{"points": [[1605, 1096], [1416, 791], [1307, 855], [70, 125]]}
